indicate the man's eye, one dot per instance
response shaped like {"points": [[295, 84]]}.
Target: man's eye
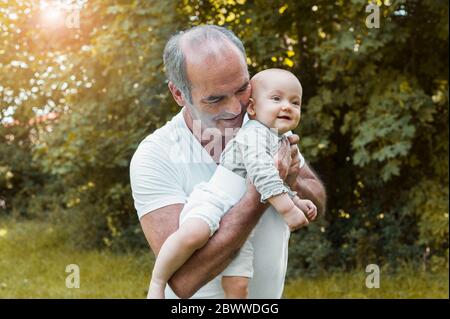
{"points": [[243, 89], [214, 100]]}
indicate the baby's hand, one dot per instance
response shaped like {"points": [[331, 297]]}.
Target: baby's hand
{"points": [[307, 207], [295, 218]]}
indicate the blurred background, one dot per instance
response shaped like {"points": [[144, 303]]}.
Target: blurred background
{"points": [[82, 83]]}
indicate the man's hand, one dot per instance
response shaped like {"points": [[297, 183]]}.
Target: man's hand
{"points": [[302, 180], [287, 161], [283, 159], [294, 168]]}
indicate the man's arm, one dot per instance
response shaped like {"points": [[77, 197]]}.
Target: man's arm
{"points": [[309, 186], [220, 250], [303, 180]]}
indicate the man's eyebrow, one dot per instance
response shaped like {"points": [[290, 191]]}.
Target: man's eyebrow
{"points": [[244, 86]]}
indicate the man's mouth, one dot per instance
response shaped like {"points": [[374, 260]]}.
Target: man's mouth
{"points": [[231, 119]]}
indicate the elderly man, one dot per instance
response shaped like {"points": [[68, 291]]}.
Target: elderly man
{"points": [[208, 77]]}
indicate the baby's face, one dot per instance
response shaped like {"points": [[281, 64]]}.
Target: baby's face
{"points": [[277, 100]]}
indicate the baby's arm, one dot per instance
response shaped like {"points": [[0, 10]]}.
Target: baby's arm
{"points": [[261, 170], [306, 206], [259, 162], [292, 214]]}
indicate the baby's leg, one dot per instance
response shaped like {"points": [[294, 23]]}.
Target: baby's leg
{"points": [[176, 250], [235, 287]]}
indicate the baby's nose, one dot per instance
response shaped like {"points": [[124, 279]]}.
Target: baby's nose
{"points": [[285, 107]]}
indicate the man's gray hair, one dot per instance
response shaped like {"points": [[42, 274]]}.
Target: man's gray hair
{"points": [[175, 61]]}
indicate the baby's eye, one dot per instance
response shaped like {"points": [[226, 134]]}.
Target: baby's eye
{"points": [[296, 103], [276, 98]]}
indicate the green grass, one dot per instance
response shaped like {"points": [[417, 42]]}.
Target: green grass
{"points": [[33, 260], [406, 284], [34, 256]]}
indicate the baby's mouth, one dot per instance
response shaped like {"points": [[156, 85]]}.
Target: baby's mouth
{"points": [[284, 117]]}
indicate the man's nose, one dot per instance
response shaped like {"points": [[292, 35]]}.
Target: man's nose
{"points": [[234, 106]]}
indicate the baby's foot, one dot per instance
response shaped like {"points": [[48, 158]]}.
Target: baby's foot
{"points": [[295, 219], [156, 291]]}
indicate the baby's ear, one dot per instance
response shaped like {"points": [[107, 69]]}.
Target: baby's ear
{"points": [[251, 107]]}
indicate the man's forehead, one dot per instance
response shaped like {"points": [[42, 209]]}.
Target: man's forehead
{"points": [[218, 75], [199, 52], [222, 90]]}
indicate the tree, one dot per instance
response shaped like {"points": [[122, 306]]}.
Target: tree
{"points": [[92, 146], [374, 116], [374, 119]]}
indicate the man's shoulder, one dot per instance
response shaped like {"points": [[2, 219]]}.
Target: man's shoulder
{"points": [[157, 144], [162, 136]]}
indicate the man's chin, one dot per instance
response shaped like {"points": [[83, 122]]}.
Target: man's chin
{"points": [[233, 123]]}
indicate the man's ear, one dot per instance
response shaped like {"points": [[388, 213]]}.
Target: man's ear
{"points": [[251, 107], [177, 94]]}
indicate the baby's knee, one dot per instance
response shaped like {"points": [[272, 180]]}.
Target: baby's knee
{"points": [[235, 287], [194, 234]]}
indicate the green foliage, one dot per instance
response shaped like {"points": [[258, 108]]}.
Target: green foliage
{"points": [[374, 122], [117, 97], [374, 118]]}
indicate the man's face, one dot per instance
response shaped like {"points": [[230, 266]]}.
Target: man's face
{"points": [[220, 89]]}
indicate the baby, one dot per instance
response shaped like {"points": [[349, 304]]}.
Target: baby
{"points": [[274, 110]]}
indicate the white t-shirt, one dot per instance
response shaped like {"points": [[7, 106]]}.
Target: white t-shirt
{"points": [[164, 170]]}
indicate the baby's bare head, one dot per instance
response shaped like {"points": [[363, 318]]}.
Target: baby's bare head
{"points": [[274, 78], [276, 99]]}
